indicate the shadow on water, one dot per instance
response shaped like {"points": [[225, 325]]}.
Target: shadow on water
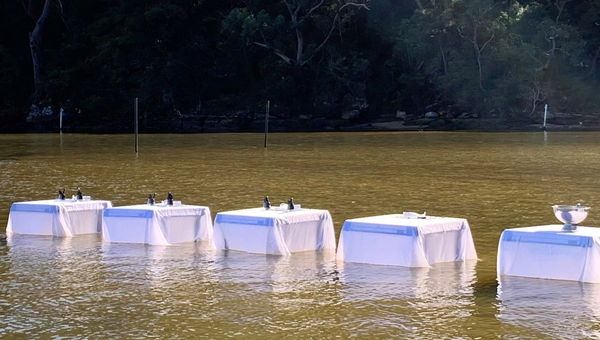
{"points": [[15, 156]]}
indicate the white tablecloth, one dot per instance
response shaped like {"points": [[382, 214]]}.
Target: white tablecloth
{"points": [[275, 231], [56, 217], [157, 224], [396, 240], [548, 252]]}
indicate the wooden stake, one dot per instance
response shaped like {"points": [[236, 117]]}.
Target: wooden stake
{"points": [[136, 124], [267, 122]]}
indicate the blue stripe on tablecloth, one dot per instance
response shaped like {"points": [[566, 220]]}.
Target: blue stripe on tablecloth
{"points": [[43, 208], [379, 228], [250, 220], [547, 237], [139, 213]]}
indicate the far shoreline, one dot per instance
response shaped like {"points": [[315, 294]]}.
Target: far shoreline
{"points": [[390, 126]]}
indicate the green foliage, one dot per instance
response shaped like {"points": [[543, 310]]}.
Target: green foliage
{"points": [[500, 60], [519, 66]]}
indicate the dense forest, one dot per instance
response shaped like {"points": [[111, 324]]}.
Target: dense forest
{"points": [[212, 65]]}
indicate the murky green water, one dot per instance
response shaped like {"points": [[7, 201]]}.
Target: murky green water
{"points": [[80, 287]]}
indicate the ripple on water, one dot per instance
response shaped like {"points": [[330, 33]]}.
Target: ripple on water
{"points": [[81, 287]]}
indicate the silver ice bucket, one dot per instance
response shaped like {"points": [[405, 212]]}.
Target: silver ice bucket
{"points": [[570, 215]]}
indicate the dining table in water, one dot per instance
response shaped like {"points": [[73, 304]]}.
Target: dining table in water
{"points": [[57, 217], [550, 252], [408, 239], [157, 224], [277, 230]]}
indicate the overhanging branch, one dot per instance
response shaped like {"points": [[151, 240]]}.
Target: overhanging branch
{"points": [[335, 19], [277, 52]]}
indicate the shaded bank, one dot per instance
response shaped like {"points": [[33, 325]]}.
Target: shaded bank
{"points": [[255, 123]]}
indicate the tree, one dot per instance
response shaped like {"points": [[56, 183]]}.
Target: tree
{"points": [[303, 44], [290, 43], [39, 17], [215, 61], [477, 28]]}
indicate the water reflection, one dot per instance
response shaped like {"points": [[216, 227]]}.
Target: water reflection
{"points": [[278, 274], [51, 273], [158, 267], [439, 298], [443, 279], [553, 308], [79, 285]]}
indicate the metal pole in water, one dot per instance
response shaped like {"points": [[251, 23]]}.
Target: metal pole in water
{"points": [[545, 115], [60, 120], [267, 122], [136, 124]]}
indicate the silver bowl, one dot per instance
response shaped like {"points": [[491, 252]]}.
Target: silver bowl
{"points": [[570, 215]]}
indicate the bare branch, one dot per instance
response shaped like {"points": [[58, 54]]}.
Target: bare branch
{"points": [[280, 54], [537, 95], [355, 4], [560, 5], [289, 7], [43, 16], [294, 9], [61, 10], [335, 19], [444, 62], [28, 7], [314, 8], [485, 43], [299, 46]]}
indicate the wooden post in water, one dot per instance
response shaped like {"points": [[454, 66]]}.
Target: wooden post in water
{"points": [[136, 124], [267, 122], [545, 115]]}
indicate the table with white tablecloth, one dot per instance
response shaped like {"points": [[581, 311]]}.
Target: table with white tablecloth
{"points": [[548, 252], [399, 240], [56, 217], [277, 231], [158, 224]]}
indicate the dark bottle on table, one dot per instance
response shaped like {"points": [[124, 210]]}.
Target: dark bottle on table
{"points": [[266, 203], [170, 199], [150, 199], [61, 194], [79, 194], [291, 203]]}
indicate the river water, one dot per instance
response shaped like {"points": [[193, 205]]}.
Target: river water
{"points": [[81, 287]]}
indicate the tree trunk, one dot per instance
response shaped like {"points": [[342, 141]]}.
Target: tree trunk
{"points": [[444, 62], [35, 42], [551, 53], [477, 54], [299, 47]]}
